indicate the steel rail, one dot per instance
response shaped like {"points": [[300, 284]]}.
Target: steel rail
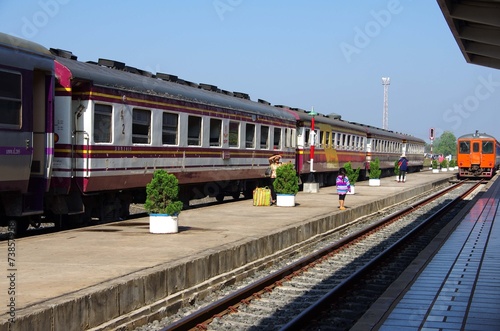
{"points": [[201, 318], [308, 314]]}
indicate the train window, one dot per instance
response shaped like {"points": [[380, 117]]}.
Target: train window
{"points": [[291, 137], [327, 138], [141, 126], [170, 125], [306, 137], [277, 138], [215, 132], [10, 99], [464, 147], [194, 131], [475, 147], [337, 140], [321, 142], [264, 137], [250, 136], [487, 147], [102, 123], [234, 134]]}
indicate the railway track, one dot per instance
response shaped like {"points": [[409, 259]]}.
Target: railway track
{"points": [[341, 278]]}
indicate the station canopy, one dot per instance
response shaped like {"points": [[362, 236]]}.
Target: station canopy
{"points": [[476, 28]]}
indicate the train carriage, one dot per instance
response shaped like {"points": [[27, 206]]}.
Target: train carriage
{"points": [[337, 141], [80, 140], [26, 136], [478, 155], [116, 126]]}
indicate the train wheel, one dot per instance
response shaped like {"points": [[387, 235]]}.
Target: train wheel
{"points": [[219, 197], [236, 195]]}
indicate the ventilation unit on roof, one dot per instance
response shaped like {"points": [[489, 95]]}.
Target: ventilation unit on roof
{"points": [[281, 106], [208, 87], [241, 95], [63, 53], [131, 69], [111, 64], [264, 102], [226, 92], [145, 73], [167, 77], [186, 82], [334, 115]]}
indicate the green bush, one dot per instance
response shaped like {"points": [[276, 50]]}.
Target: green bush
{"points": [[452, 163], [444, 163], [352, 174], [375, 170], [435, 164], [396, 167], [287, 180], [162, 194]]}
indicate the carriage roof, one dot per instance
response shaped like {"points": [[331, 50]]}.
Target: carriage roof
{"points": [[137, 81]]}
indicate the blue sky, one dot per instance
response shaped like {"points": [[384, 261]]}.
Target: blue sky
{"points": [[330, 55]]}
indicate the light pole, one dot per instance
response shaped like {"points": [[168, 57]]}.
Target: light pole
{"points": [[312, 142], [385, 119]]}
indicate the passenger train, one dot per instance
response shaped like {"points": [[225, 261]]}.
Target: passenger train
{"points": [[80, 140], [478, 155]]}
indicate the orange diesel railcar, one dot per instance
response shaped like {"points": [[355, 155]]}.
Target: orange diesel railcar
{"points": [[478, 155]]}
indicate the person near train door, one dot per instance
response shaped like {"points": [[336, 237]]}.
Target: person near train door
{"points": [[274, 163], [343, 186], [403, 168]]}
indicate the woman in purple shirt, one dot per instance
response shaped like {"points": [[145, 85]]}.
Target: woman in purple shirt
{"points": [[343, 186]]}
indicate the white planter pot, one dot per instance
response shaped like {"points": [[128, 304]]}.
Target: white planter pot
{"points": [[163, 223], [374, 182], [451, 169], [435, 171], [285, 200], [444, 169]]}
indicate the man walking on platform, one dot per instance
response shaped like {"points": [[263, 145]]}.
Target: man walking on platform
{"points": [[403, 168]]}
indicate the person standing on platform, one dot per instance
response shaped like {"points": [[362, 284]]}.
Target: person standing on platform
{"points": [[274, 163], [343, 186], [403, 168]]}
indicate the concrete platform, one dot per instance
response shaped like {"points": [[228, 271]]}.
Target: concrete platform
{"points": [[79, 279], [454, 284]]}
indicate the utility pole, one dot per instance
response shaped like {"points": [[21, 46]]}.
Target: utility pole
{"points": [[385, 119]]}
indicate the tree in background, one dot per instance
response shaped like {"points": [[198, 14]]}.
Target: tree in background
{"points": [[445, 144]]}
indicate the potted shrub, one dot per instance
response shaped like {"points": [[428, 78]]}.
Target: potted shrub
{"points": [[444, 165], [162, 202], [286, 185], [435, 165], [353, 175], [396, 169], [451, 165], [375, 172]]}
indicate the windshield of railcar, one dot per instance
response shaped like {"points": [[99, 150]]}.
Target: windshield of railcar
{"points": [[464, 147], [487, 147]]}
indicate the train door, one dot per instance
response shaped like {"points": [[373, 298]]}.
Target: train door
{"points": [[475, 156], [42, 144]]}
